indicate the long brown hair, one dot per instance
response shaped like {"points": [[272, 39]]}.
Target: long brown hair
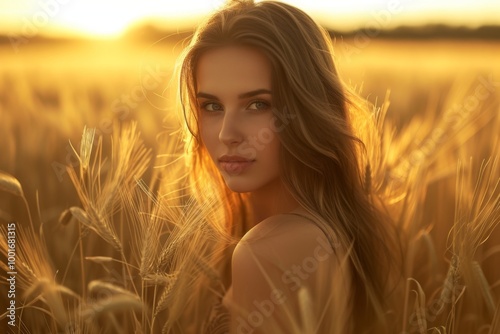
{"points": [[323, 157]]}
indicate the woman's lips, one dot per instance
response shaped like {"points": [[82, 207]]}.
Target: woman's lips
{"points": [[235, 167], [234, 164]]}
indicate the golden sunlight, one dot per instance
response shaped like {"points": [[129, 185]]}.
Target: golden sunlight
{"points": [[93, 17], [112, 17]]}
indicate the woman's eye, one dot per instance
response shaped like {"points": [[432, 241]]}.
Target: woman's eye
{"points": [[210, 106], [257, 105], [260, 105]]}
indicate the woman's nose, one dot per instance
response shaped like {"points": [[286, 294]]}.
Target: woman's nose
{"points": [[231, 131]]}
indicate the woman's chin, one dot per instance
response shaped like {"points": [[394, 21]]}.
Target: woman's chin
{"points": [[238, 186]]}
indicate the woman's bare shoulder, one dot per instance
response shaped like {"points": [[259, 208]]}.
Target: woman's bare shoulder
{"points": [[278, 257], [278, 262], [283, 240]]}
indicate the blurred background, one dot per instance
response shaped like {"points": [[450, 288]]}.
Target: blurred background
{"points": [[65, 64]]}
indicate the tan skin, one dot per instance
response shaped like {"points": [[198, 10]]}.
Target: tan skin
{"points": [[234, 125]]}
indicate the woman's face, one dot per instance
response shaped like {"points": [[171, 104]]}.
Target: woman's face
{"points": [[236, 118]]}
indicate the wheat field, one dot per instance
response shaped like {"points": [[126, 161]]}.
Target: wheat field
{"points": [[88, 138]]}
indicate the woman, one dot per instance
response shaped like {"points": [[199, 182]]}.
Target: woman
{"points": [[271, 132]]}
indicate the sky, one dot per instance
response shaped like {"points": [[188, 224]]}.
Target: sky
{"points": [[109, 18]]}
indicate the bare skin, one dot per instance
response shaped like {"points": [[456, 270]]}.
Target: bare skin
{"points": [[276, 258], [235, 115]]}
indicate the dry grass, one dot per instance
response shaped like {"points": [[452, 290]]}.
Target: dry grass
{"points": [[111, 246]]}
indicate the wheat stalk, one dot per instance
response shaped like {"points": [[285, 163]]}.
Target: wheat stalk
{"points": [[164, 299], [159, 279], [100, 259], [98, 286], [86, 145], [65, 217], [10, 184], [97, 225], [484, 287], [113, 304], [495, 325]]}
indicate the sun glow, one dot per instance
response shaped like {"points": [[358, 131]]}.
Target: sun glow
{"points": [[96, 18], [98, 25], [112, 17]]}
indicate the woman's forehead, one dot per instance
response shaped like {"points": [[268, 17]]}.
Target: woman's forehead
{"points": [[240, 67]]}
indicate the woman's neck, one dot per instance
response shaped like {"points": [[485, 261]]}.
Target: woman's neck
{"points": [[273, 199]]}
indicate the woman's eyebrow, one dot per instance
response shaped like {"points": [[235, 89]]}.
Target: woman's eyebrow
{"points": [[241, 96]]}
